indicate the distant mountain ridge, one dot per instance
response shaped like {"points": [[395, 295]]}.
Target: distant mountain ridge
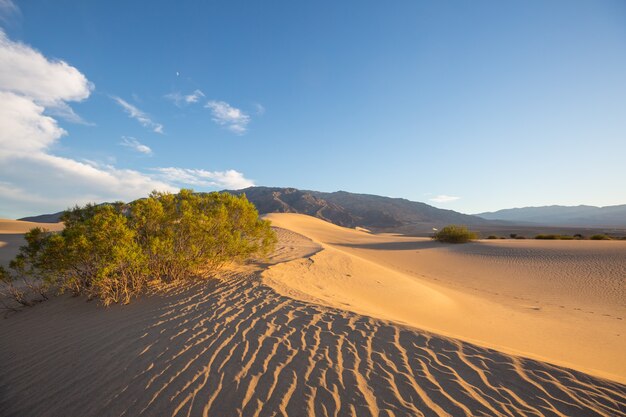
{"points": [[382, 214], [398, 215], [575, 216]]}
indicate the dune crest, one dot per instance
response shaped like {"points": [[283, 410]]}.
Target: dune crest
{"points": [[378, 275]]}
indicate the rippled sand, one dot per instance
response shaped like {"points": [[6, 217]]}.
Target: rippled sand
{"points": [[235, 347]]}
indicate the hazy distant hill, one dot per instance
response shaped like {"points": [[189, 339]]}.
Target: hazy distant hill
{"points": [[44, 218], [579, 216], [351, 210]]}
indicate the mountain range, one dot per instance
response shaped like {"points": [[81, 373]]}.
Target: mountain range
{"points": [[575, 216], [398, 215]]}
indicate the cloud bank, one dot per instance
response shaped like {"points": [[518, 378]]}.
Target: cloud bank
{"points": [[230, 179]]}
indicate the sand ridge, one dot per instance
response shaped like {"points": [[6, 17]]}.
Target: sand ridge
{"points": [[8, 226], [423, 284]]}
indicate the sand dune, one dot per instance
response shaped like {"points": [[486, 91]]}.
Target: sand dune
{"points": [[17, 226], [234, 347], [562, 302], [12, 236]]}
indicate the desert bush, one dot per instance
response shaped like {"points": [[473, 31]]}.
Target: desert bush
{"points": [[520, 237], [492, 237], [455, 234], [600, 237], [547, 237], [554, 237], [113, 251], [21, 284], [189, 234]]}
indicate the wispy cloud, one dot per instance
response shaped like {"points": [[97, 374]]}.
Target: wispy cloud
{"points": [[442, 198], [229, 179], [138, 115], [135, 145], [8, 9], [180, 99], [260, 110], [228, 116]]}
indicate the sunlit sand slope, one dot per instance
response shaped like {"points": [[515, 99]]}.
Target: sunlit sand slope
{"points": [[562, 302], [18, 226]]}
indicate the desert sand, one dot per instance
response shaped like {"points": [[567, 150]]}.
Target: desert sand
{"points": [[557, 301], [234, 346], [12, 236]]}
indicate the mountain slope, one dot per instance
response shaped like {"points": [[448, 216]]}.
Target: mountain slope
{"points": [[580, 216], [373, 212]]}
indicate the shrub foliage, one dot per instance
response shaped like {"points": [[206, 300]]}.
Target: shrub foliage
{"points": [[455, 234], [114, 251], [600, 237]]}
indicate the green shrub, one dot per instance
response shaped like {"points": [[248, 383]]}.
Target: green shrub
{"points": [[519, 237], [492, 237], [600, 237], [113, 251], [554, 237], [455, 234]]}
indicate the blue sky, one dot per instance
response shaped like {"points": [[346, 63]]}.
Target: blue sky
{"points": [[471, 106]]}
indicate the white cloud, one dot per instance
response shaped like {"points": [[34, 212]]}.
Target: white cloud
{"points": [[54, 183], [138, 115], [442, 198], [30, 85], [230, 179], [179, 99], [134, 144], [231, 117], [23, 126], [49, 83]]}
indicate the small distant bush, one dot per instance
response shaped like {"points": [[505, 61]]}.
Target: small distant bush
{"points": [[114, 251], [492, 237], [600, 237], [455, 234], [513, 235], [578, 236], [554, 237], [519, 237]]}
